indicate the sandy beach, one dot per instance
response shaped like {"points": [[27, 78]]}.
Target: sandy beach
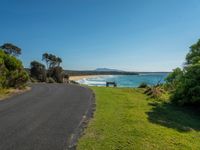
{"points": [[76, 78]]}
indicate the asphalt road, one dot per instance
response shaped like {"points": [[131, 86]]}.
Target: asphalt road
{"points": [[43, 118]]}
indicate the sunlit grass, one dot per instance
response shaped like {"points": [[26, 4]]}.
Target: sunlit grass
{"points": [[128, 119]]}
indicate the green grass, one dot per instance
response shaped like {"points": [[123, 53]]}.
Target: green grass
{"points": [[5, 93], [126, 119]]}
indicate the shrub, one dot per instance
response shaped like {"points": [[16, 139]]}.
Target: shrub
{"points": [[57, 74], [38, 71], [188, 89], [12, 73], [143, 85], [50, 80], [186, 82], [155, 92], [173, 79], [73, 82]]}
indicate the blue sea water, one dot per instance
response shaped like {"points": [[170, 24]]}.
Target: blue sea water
{"points": [[126, 80]]}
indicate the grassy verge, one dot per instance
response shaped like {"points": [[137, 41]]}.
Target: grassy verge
{"points": [[127, 119], [5, 93]]}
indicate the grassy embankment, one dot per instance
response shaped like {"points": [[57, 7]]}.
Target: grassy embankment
{"points": [[128, 119], [5, 93]]}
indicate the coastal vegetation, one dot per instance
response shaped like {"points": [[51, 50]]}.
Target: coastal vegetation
{"points": [[126, 118], [184, 84], [12, 73], [53, 73], [14, 76]]}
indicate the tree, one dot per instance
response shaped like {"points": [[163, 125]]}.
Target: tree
{"points": [[57, 74], [38, 71], [59, 61], [187, 81], [193, 56], [188, 89], [45, 57], [53, 64], [11, 49], [51, 60], [174, 78]]}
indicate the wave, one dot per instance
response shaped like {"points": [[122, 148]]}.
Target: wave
{"points": [[92, 81]]}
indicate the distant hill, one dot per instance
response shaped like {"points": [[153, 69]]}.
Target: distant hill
{"points": [[97, 72], [107, 69]]}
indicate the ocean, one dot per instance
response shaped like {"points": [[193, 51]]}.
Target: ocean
{"points": [[126, 80]]}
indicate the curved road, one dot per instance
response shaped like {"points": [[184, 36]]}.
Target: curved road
{"points": [[43, 118]]}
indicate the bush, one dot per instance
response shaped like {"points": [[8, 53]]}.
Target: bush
{"points": [[38, 71], [73, 82], [143, 85], [57, 74], [155, 92], [188, 89], [50, 80], [173, 79], [12, 73], [186, 82]]}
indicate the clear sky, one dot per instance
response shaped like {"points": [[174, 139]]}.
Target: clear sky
{"points": [[134, 35]]}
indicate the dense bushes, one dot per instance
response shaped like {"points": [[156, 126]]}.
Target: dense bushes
{"points": [[56, 73], [12, 73], [38, 71], [53, 73], [185, 83], [143, 85]]}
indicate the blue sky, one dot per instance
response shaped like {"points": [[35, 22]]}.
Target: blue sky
{"points": [[134, 35]]}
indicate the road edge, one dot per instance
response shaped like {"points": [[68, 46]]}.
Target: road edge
{"points": [[88, 115]]}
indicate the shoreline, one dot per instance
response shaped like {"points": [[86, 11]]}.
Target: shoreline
{"points": [[76, 78]]}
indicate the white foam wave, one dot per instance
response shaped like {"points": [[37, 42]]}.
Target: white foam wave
{"points": [[92, 82]]}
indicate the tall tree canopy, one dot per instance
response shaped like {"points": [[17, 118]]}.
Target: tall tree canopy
{"points": [[51, 60], [193, 56], [11, 49]]}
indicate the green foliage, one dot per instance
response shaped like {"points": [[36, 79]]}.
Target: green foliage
{"points": [[193, 56], [50, 80], [143, 85], [174, 78], [186, 82], [188, 89], [54, 70], [12, 73], [11, 49], [38, 71], [51, 60], [57, 74], [155, 92]]}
